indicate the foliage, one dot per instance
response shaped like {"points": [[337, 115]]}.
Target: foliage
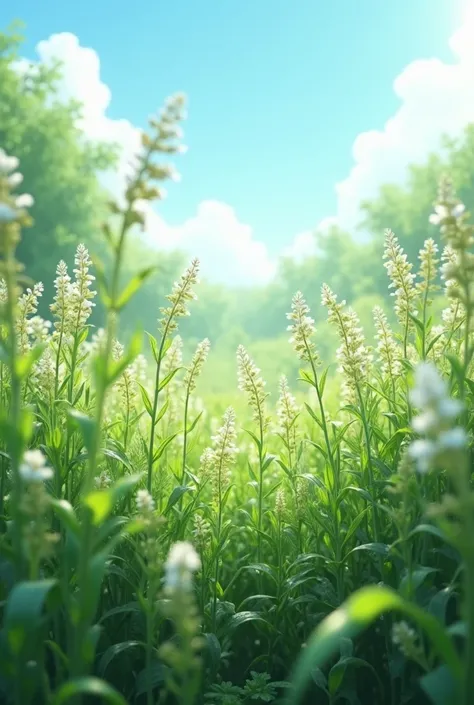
{"points": [[58, 166], [157, 547]]}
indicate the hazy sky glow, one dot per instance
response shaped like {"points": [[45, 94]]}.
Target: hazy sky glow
{"points": [[297, 110]]}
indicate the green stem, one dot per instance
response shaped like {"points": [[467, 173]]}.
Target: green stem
{"points": [[216, 569], [149, 647], [78, 665], [370, 471], [185, 440]]}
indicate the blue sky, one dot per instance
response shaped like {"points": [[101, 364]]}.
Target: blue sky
{"points": [[278, 90]]}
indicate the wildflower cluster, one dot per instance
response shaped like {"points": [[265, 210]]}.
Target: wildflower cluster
{"points": [[127, 500], [458, 265], [181, 293], [251, 382], [302, 329], [13, 208], [388, 351], [181, 564], [401, 278], [442, 438], [428, 267], [194, 369], [287, 414], [353, 354], [217, 462]]}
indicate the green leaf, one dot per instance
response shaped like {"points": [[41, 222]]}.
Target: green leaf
{"points": [[428, 529], [66, 514], [133, 286], [380, 549], [418, 323], [193, 424], [146, 400], [162, 411], [242, 617], [319, 679], [88, 686], [438, 604], [312, 414], [58, 652], [24, 363], [440, 687], [456, 369], [175, 496], [164, 383], [262, 568], [357, 613], [95, 574], [354, 526], [114, 650], [255, 440], [129, 608], [117, 368], [416, 579], [163, 446], [154, 346], [305, 377], [125, 485], [24, 609], [155, 675], [322, 381], [86, 425], [269, 458], [100, 503], [213, 653], [337, 672]]}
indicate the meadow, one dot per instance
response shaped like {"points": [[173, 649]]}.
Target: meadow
{"points": [[315, 547]]}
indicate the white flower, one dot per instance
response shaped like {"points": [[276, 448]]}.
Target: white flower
{"points": [[180, 565], [429, 386], [7, 214], [145, 501], [423, 452], [15, 179], [438, 413], [26, 200], [449, 408], [34, 468], [7, 164], [442, 213], [401, 632], [458, 210], [425, 422], [102, 481], [302, 329], [454, 439]]}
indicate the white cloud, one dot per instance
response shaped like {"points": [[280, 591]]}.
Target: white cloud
{"points": [[436, 98], [225, 246], [303, 245], [81, 81]]}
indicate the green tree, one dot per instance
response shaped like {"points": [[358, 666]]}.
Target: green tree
{"points": [[405, 209], [59, 166]]}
